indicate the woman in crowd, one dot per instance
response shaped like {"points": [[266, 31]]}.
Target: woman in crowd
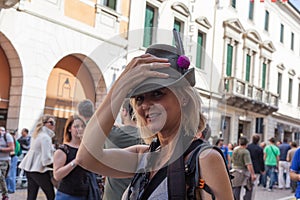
{"points": [[73, 180], [167, 108], [38, 161]]}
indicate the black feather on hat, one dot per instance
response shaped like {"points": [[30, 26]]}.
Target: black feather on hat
{"points": [[179, 72]]}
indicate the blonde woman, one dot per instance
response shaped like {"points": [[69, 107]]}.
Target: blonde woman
{"points": [[166, 106], [38, 161]]}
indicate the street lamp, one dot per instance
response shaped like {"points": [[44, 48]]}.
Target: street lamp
{"points": [[8, 3]]}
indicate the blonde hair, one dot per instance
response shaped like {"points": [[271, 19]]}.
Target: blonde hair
{"points": [[40, 123], [189, 118], [202, 122]]}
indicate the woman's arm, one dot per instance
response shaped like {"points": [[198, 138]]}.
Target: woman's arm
{"points": [[60, 170], [213, 171], [115, 162]]}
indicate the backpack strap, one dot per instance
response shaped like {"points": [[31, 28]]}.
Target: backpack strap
{"points": [[5, 138], [192, 170], [157, 179], [200, 183], [193, 174]]}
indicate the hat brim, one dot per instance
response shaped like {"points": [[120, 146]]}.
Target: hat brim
{"points": [[177, 80]]}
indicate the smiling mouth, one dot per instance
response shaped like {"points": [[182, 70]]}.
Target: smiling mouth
{"points": [[152, 116]]}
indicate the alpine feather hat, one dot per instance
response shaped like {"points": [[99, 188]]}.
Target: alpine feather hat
{"points": [[179, 72]]}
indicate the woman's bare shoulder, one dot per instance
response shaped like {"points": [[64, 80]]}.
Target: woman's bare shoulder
{"points": [[211, 155]]}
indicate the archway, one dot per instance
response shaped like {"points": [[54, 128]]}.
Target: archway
{"points": [[11, 81], [5, 79], [74, 78]]}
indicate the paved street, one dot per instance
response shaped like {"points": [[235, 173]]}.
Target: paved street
{"points": [[277, 194], [261, 195]]}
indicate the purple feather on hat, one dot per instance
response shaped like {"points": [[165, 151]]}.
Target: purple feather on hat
{"points": [[183, 61]]}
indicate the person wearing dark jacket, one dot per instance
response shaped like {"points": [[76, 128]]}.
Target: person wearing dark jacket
{"points": [[24, 140], [257, 157]]}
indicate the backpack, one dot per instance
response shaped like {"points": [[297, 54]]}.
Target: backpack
{"points": [[17, 148], [177, 186]]}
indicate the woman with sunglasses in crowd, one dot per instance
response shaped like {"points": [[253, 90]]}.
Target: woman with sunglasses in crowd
{"points": [[38, 161], [160, 85]]}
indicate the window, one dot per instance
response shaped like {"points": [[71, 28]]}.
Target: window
{"points": [[200, 50], [248, 67], [263, 78], [233, 3], [266, 20], [110, 3], [259, 125], [281, 33], [290, 90], [251, 10], [148, 26], [292, 41], [279, 83], [299, 95], [229, 60], [177, 25]]}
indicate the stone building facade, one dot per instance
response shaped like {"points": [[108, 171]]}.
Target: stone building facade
{"points": [[55, 53]]}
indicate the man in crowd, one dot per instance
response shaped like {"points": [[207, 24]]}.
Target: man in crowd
{"points": [[284, 166], [24, 140], [257, 157], [121, 137], [6, 146], [242, 169], [220, 144], [86, 109], [289, 158], [271, 158]]}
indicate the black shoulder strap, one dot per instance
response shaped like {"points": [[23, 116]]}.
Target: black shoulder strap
{"points": [[273, 151], [5, 137], [156, 180]]}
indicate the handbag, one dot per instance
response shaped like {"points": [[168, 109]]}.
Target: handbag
{"points": [[249, 184], [94, 189]]}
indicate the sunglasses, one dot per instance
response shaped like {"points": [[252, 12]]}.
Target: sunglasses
{"points": [[51, 123]]}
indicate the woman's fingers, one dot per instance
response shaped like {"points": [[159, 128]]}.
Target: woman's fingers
{"points": [[146, 59], [139, 69]]}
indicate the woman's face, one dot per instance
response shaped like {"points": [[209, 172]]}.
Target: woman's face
{"points": [[160, 109], [77, 128], [50, 123]]}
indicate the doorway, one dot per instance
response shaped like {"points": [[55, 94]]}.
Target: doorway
{"points": [[243, 129]]}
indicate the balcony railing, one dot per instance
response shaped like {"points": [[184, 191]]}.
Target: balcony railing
{"points": [[239, 89]]}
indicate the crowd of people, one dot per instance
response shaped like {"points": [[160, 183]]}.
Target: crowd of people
{"points": [[160, 150], [262, 164]]}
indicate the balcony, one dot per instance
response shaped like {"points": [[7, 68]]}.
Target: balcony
{"points": [[241, 94]]}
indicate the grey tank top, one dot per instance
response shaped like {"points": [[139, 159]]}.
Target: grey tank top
{"points": [[160, 192]]}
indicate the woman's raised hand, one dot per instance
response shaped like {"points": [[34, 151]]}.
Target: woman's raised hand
{"points": [[139, 69]]}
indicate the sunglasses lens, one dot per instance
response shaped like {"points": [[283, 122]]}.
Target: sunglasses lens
{"points": [[51, 123]]}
